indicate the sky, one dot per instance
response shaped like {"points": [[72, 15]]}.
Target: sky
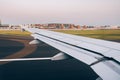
{"points": [[80, 12]]}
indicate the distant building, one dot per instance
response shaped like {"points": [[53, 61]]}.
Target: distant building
{"points": [[118, 27], [60, 26], [115, 27], [4, 26], [9, 27], [71, 26], [84, 27], [14, 27], [57, 26], [78, 27]]}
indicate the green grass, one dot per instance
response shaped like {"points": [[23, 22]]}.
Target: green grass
{"points": [[14, 32], [99, 34]]}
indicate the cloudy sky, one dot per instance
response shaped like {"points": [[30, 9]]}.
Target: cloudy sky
{"points": [[82, 12]]}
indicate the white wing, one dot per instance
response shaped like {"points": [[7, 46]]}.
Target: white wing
{"points": [[102, 56]]}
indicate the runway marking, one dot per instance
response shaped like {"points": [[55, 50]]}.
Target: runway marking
{"points": [[28, 49]]}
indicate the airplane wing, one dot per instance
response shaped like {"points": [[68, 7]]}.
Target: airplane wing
{"points": [[102, 56]]}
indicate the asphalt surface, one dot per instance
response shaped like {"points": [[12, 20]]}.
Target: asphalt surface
{"points": [[70, 69]]}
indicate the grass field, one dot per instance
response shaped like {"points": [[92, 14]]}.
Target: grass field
{"points": [[100, 34], [14, 32]]}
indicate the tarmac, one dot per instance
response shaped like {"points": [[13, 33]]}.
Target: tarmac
{"points": [[18, 47]]}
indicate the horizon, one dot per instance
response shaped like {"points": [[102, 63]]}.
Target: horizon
{"points": [[79, 12]]}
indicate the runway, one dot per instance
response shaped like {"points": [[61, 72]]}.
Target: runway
{"points": [[71, 69]]}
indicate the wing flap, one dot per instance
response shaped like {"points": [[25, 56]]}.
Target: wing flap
{"points": [[70, 50], [108, 70]]}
